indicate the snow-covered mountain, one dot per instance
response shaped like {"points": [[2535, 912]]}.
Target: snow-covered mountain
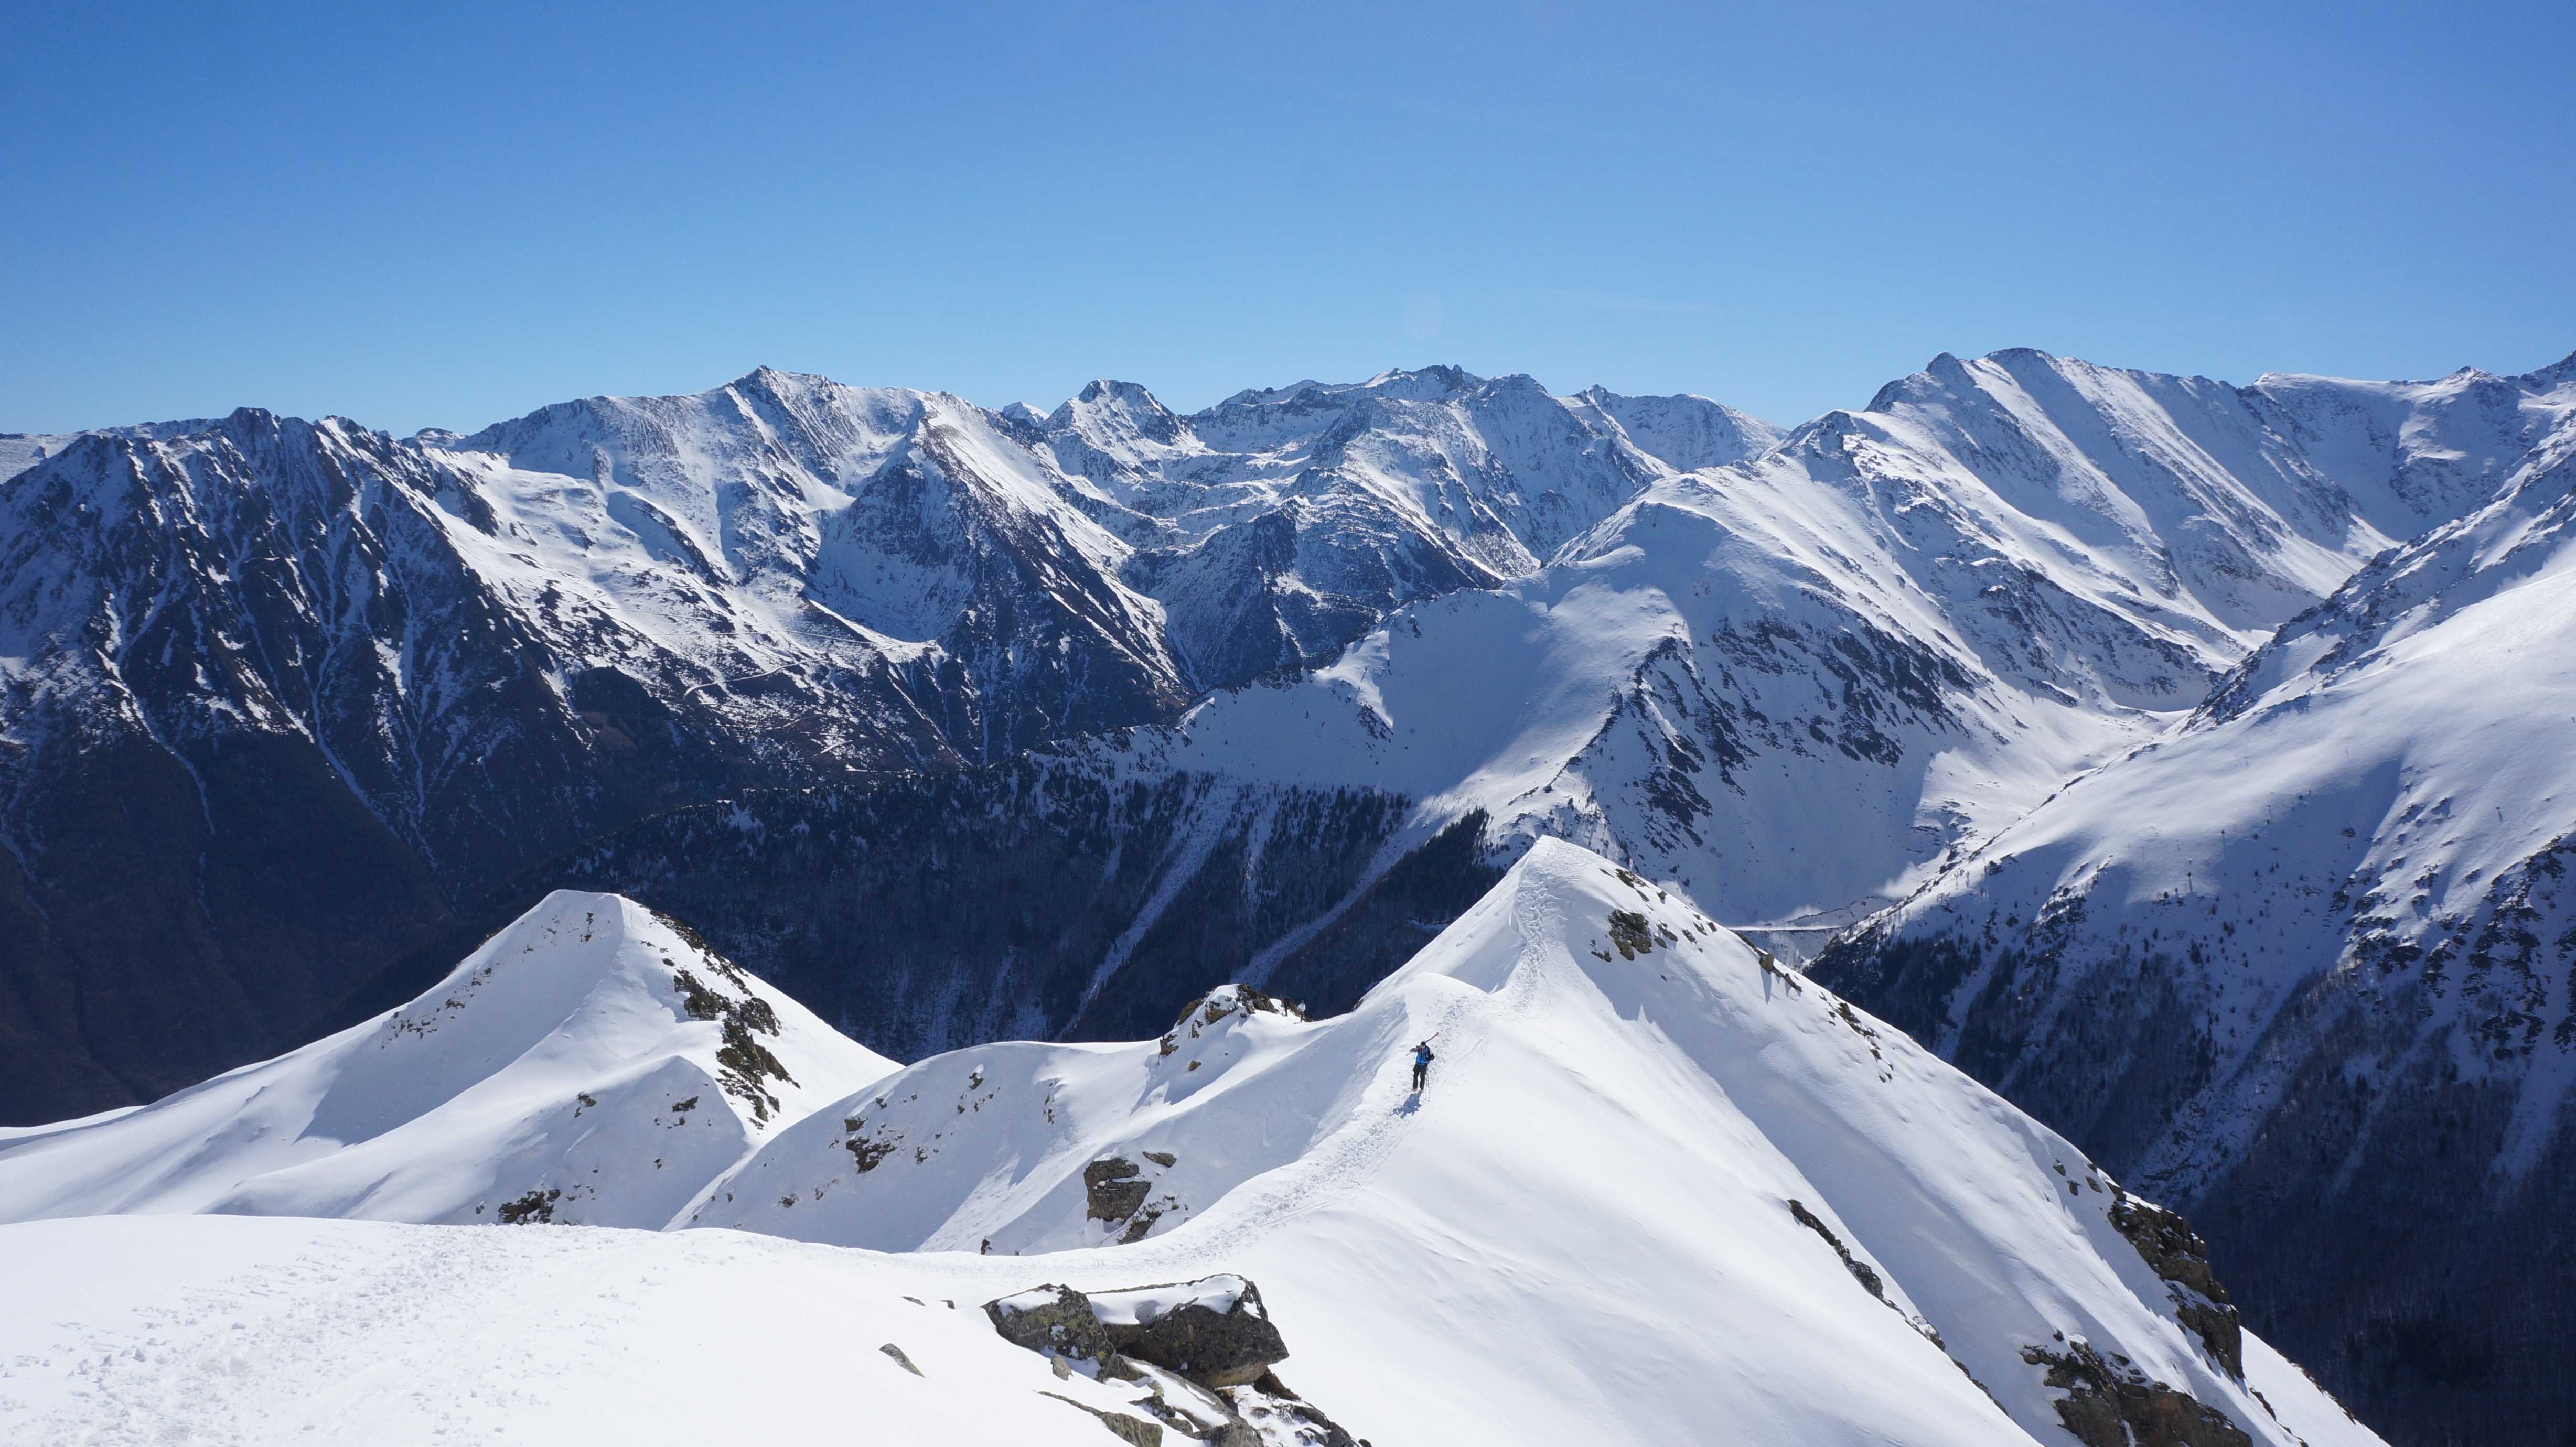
{"points": [[2301, 965], [1271, 692], [286, 692], [1659, 1188], [593, 1063], [1282, 523], [1800, 682], [1804, 680]]}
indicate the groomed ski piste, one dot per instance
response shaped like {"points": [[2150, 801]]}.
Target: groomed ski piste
{"points": [[1583, 1230]]}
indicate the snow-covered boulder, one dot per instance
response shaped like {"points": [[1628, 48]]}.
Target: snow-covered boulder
{"points": [[1203, 1350], [593, 1062], [1213, 1330]]}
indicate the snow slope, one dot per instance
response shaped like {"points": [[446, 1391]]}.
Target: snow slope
{"points": [[590, 1063], [1659, 1190], [235, 1332], [2352, 811], [2302, 964], [1584, 1228]]}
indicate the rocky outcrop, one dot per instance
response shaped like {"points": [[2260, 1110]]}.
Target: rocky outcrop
{"points": [[1213, 1331], [1216, 1005], [1202, 1351], [1053, 1321], [1113, 1189], [2177, 1254], [2110, 1402]]}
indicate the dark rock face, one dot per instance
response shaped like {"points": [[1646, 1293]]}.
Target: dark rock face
{"points": [[2109, 1403], [1861, 1271], [1288, 590], [1113, 1189], [2177, 1254], [1231, 1348], [1227, 1348], [2426, 1286]]}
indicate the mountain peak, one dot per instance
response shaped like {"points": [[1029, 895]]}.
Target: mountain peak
{"points": [[526, 1080]]}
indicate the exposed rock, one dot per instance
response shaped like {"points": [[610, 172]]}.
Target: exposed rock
{"points": [[2111, 1403], [538, 1205], [1213, 1331], [1115, 1187], [1194, 1411], [2176, 1253], [1284, 1418], [1867, 1276], [1861, 1270], [1135, 1431], [1054, 1321], [744, 1064], [1628, 932], [1217, 1004], [1201, 1350]]}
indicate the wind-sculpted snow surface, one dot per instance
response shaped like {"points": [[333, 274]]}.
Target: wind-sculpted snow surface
{"points": [[591, 1063], [2303, 966], [1663, 1181]]}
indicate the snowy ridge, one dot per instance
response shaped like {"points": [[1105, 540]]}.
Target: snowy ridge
{"points": [[591, 1063], [1606, 1054], [1820, 1228]]}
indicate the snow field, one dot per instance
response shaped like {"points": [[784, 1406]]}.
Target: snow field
{"points": [[223, 1330]]}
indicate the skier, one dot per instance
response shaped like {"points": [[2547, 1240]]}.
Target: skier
{"points": [[1421, 1063]]}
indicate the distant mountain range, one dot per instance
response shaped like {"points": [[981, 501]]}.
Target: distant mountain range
{"points": [[959, 724]]}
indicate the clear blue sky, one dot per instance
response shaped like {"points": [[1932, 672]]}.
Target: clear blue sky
{"points": [[445, 212]]}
